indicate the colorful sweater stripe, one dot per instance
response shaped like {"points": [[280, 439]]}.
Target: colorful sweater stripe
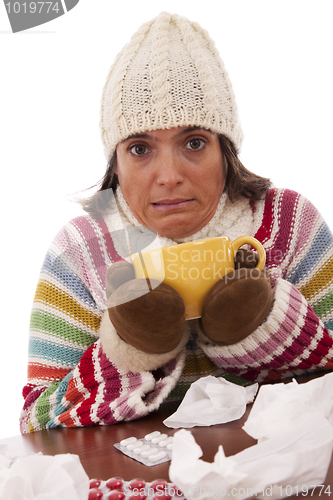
{"points": [[71, 380]]}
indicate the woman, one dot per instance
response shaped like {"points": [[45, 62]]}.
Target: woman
{"points": [[171, 133]]}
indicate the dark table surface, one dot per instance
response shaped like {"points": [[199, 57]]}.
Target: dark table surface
{"points": [[100, 459]]}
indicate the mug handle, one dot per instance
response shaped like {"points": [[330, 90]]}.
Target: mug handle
{"points": [[248, 240]]}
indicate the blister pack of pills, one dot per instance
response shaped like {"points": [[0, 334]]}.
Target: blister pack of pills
{"points": [[117, 488], [153, 449]]}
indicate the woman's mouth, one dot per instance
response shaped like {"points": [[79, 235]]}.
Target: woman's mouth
{"points": [[172, 204]]}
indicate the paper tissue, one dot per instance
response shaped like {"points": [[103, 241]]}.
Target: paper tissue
{"points": [[39, 477], [211, 401], [293, 424]]}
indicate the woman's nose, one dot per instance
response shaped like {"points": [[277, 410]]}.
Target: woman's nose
{"points": [[169, 170]]}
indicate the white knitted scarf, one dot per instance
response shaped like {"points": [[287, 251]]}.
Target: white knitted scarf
{"points": [[230, 219]]}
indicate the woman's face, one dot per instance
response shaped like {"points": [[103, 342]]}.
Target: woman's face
{"points": [[172, 179]]}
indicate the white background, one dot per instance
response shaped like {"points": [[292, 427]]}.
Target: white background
{"points": [[279, 57]]}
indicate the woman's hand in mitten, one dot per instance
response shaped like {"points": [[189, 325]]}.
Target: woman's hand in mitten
{"points": [[236, 305], [148, 315], [246, 258]]}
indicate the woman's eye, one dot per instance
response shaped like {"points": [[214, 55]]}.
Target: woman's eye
{"points": [[138, 149], [195, 144]]}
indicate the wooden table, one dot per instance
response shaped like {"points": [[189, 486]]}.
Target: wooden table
{"points": [[101, 459]]}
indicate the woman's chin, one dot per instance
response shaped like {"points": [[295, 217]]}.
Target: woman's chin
{"points": [[178, 225], [177, 231]]}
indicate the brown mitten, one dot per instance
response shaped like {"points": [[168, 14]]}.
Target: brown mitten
{"points": [[236, 305], [118, 274], [246, 258], [150, 317]]}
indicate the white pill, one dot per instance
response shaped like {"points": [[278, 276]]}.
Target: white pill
{"points": [[157, 456], [147, 453], [169, 446], [131, 447], [127, 441], [137, 446], [159, 438], [139, 451], [152, 435], [138, 443], [165, 442]]}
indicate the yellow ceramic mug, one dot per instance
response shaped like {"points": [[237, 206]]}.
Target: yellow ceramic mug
{"points": [[193, 268]]}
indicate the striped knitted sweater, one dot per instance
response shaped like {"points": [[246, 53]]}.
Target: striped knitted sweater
{"points": [[76, 379]]}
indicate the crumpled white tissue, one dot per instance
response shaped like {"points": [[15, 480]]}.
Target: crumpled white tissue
{"points": [[41, 477], [294, 424], [211, 401], [281, 406]]}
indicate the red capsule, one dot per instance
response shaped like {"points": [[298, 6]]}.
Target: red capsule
{"points": [[159, 485], [176, 492], [138, 495], [116, 495], [95, 483], [163, 496], [95, 494], [137, 484], [115, 483]]}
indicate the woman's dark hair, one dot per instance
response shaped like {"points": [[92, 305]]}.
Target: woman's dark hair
{"points": [[240, 182], [97, 204]]}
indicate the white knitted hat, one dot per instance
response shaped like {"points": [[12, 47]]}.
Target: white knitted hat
{"points": [[169, 75]]}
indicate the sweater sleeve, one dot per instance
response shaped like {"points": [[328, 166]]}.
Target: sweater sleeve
{"points": [[71, 380], [296, 335]]}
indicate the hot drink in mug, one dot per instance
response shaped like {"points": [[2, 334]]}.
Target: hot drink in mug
{"points": [[193, 268]]}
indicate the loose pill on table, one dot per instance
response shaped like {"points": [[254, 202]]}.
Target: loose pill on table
{"points": [[127, 441], [159, 438], [152, 435], [157, 456], [147, 453], [169, 446]]}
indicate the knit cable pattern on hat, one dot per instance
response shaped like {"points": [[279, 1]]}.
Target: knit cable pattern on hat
{"points": [[169, 75]]}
